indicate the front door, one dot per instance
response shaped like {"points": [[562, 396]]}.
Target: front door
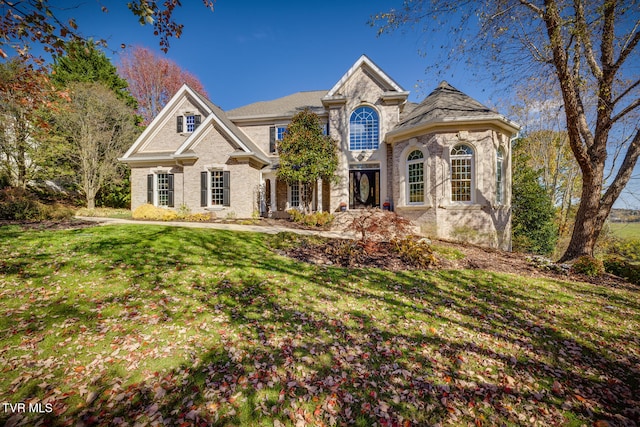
{"points": [[364, 188]]}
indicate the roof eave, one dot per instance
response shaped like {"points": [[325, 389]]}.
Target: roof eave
{"points": [[271, 117], [334, 101], [391, 97], [251, 156], [498, 121]]}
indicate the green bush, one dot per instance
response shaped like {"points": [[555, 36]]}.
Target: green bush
{"points": [[56, 212], [18, 204], [533, 226], [589, 266], [629, 249], [415, 251], [622, 268], [316, 219]]}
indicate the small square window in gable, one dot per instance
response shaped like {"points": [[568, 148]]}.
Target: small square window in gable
{"points": [[188, 123]]}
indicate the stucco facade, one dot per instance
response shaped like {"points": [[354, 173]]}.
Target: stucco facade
{"points": [[444, 163]]}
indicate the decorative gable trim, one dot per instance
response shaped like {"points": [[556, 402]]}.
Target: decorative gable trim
{"points": [[376, 72], [164, 114]]}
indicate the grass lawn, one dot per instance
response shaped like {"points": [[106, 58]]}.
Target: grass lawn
{"points": [[625, 230], [135, 325]]}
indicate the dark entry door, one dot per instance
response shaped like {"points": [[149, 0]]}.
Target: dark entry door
{"points": [[364, 188]]}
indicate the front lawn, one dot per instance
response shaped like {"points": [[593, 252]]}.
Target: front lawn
{"points": [[135, 325]]}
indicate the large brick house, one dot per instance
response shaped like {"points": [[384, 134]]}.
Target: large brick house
{"points": [[444, 163]]}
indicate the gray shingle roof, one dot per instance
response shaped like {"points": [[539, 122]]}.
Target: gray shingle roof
{"points": [[446, 102], [281, 107]]}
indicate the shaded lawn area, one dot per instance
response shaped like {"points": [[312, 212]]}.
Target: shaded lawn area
{"points": [[136, 325]]}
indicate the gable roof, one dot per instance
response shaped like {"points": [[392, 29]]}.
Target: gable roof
{"points": [[447, 104], [215, 116], [230, 129], [374, 71], [286, 106]]}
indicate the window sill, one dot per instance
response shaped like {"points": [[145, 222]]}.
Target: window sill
{"points": [[215, 208], [414, 207], [461, 207]]}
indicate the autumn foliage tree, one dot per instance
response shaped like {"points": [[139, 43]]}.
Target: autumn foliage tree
{"points": [[24, 90], [153, 80], [589, 49]]}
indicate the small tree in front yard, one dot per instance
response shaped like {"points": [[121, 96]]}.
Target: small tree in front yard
{"points": [[306, 155], [97, 128]]}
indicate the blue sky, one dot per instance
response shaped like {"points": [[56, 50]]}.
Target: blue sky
{"points": [[247, 51]]}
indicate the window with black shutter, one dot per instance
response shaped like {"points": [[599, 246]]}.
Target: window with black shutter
{"points": [[179, 126], [204, 178], [196, 121], [170, 192], [226, 198], [272, 139], [150, 188]]}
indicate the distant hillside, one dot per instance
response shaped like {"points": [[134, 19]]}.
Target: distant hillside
{"points": [[624, 215]]}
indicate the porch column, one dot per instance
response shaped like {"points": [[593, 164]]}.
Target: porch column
{"points": [[319, 206], [274, 203]]}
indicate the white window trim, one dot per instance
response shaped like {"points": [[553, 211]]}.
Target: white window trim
{"points": [[210, 168], [408, 162], [210, 189], [365, 150], [403, 176], [473, 174], [300, 204], [156, 196]]}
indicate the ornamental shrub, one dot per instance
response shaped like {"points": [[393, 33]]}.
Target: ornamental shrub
{"points": [[622, 268], [415, 251], [18, 204], [589, 266], [316, 219], [149, 212], [534, 229]]}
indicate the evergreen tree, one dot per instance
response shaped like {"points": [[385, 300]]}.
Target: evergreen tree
{"points": [[83, 62], [306, 155], [534, 229]]}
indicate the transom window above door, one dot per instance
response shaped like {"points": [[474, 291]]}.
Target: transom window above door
{"points": [[364, 129]]}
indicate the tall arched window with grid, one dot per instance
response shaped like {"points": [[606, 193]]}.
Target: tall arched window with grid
{"points": [[462, 174], [364, 129], [415, 177]]}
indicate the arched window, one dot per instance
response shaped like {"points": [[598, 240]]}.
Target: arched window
{"points": [[462, 174], [363, 129], [415, 177], [500, 176]]}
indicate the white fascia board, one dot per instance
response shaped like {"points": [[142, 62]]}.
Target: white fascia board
{"points": [[172, 104], [364, 60], [496, 120], [194, 136]]}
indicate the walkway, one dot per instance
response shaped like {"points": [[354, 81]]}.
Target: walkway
{"points": [[269, 229]]}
